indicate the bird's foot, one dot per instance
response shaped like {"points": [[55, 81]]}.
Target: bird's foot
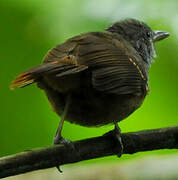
{"points": [[116, 134], [66, 142], [61, 140]]}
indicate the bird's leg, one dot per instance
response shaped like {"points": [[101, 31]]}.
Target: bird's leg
{"points": [[116, 133], [58, 139]]}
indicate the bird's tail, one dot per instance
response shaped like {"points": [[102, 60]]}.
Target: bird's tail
{"points": [[24, 79], [55, 68], [34, 74]]}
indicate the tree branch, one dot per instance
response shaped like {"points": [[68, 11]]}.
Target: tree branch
{"points": [[165, 138]]}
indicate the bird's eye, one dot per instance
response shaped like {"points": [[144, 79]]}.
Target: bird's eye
{"points": [[148, 34]]}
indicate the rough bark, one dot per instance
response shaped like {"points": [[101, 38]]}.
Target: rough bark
{"points": [[165, 138]]}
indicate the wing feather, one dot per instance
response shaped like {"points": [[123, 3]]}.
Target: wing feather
{"points": [[113, 69]]}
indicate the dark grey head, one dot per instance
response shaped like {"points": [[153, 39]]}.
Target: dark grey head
{"points": [[139, 35]]}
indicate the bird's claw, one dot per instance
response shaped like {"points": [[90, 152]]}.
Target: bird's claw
{"points": [[116, 134], [59, 169], [62, 141], [66, 143]]}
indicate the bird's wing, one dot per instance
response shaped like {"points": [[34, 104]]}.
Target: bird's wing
{"points": [[114, 69]]}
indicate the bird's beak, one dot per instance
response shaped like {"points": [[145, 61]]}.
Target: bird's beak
{"points": [[159, 35]]}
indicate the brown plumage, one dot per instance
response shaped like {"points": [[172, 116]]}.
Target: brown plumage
{"points": [[88, 58], [105, 74]]}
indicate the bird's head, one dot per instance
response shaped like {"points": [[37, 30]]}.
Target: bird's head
{"points": [[139, 35]]}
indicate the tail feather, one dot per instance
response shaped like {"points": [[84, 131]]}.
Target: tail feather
{"points": [[55, 68], [22, 80], [30, 76]]}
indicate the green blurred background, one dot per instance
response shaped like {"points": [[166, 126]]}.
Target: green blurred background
{"points": [[30, 28]]}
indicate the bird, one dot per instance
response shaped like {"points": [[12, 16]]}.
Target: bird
{"points": [[97, 78]]}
